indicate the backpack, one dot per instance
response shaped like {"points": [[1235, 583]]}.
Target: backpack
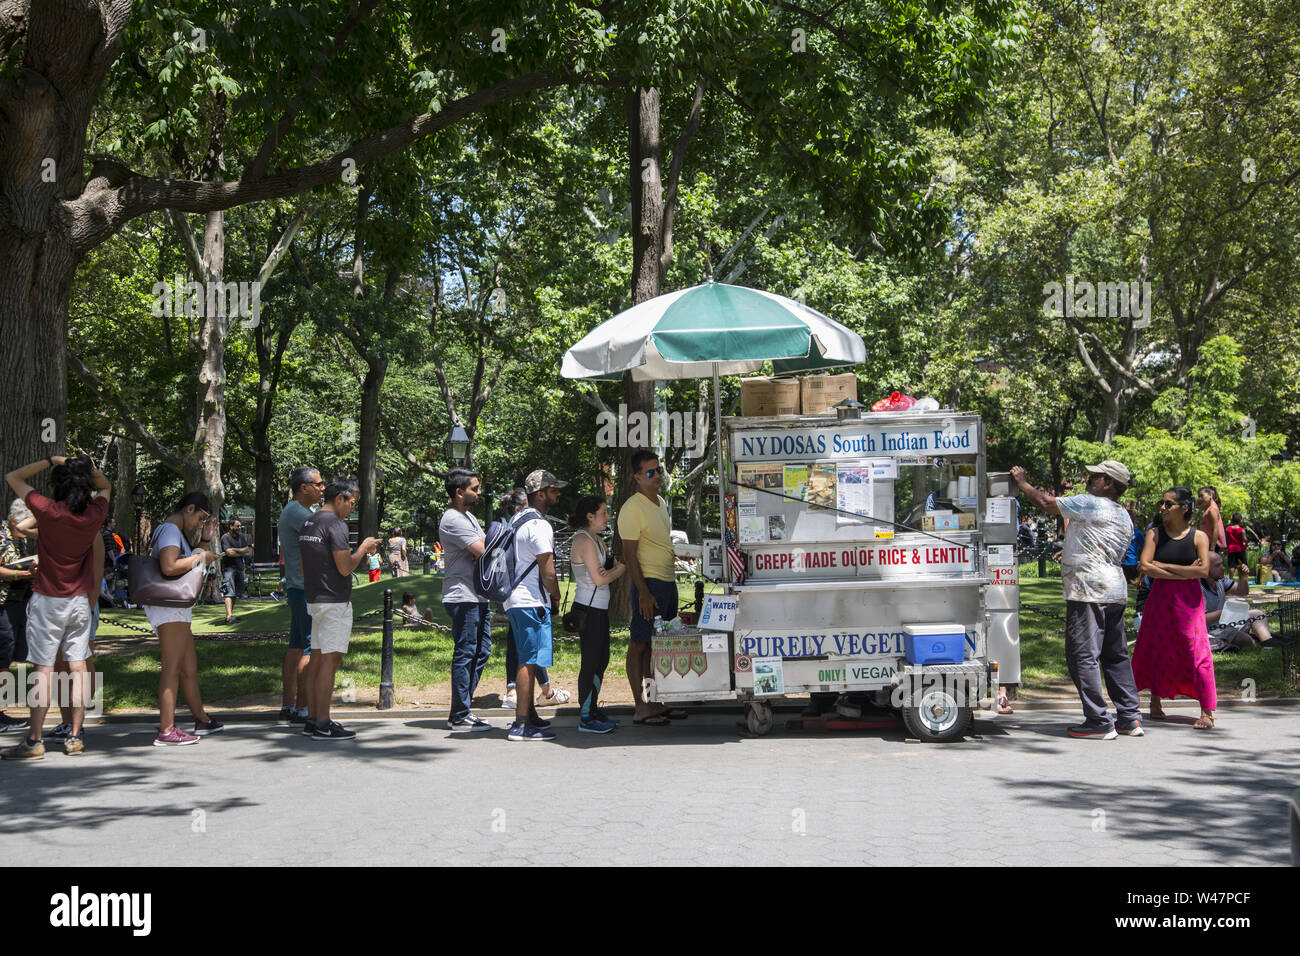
{"points": [[494, 571]]}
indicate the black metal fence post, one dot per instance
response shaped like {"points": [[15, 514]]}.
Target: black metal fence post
{"points": [[1042, 564], [699, 597], [386, 660]]}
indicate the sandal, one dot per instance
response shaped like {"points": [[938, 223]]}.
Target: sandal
{"points": [[654, 720], [675, 713], [558, 696], [1200, 725], [1004, 706]]}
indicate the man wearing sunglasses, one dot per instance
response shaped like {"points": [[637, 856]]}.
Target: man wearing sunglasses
{"points": [[1096, 594], [646, 531]]}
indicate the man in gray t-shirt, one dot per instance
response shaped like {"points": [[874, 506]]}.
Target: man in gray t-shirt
{"points": [[471, 624], [307, 488], [458, 531]]}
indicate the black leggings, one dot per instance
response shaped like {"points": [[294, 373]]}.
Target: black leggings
{"points": [[593, 640]]}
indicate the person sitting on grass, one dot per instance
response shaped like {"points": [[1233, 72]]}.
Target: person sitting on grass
{"points": [[1283, 569], [1218, 588], [412, 612]]}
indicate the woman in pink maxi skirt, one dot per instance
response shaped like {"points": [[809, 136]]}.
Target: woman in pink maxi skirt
{"points": [[1172, 657]]}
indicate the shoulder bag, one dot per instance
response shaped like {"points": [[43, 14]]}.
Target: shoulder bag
{"points": [[146, 583]]}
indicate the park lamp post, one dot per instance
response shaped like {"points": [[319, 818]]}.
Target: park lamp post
{"points": [[458, 444], [138, 494]]}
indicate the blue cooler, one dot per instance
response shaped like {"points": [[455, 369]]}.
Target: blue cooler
{"points": [[934, 643]]}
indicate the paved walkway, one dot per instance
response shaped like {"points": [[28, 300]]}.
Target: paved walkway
{"points": [[408, 791]]}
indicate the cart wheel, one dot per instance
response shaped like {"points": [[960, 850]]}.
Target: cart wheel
{"points": [[758, 717], [937, 717]]}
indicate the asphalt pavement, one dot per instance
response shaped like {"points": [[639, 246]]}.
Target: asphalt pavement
{"points": [[409, 791]]}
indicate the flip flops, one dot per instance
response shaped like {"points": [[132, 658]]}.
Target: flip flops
{"points": [[654, 720], [1004, 706]]}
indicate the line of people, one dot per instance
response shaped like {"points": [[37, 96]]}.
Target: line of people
{"points": [[533, 601]]}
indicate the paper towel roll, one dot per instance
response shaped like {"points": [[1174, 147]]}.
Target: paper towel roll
{"points": [[952, 490], [964, 486]]}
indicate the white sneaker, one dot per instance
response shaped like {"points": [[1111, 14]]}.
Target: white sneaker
{"points": [[510, 701], [558, 696]]}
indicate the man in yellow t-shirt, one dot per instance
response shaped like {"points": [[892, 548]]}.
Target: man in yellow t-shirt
{"points": [[648, 551]]}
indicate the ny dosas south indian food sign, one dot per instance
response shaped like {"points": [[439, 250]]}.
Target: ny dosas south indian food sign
{"points": [[856, 441]]}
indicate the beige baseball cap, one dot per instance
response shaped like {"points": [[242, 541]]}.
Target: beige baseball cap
{"points": [[540, 479], [1114, 470]]}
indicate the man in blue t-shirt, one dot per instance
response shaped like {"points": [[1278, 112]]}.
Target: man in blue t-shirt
{"points": [[306, 487]]}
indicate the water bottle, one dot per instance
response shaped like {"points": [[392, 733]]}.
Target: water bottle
{"points": [[659, 624]]}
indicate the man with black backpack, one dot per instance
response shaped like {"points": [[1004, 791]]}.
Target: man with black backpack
{"points": [[536, 591], [463, 542]]}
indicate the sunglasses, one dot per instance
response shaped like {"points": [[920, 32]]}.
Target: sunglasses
{"points": [[651, 472], [1168, 504]]}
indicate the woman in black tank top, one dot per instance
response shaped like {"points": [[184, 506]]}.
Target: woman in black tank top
{"points": [[1172, 657]]}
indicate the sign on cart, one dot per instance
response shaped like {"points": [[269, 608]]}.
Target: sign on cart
{"points": [[719, 612]]}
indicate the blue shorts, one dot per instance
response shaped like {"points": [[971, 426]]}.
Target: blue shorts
{"points": [[299, 620], [531, 627], [665, 595]]}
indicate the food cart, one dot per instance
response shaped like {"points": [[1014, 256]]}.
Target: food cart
{"points": [[878, 558]]}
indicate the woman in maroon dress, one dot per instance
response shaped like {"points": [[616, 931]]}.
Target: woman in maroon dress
{"points": [[1172, 657]]}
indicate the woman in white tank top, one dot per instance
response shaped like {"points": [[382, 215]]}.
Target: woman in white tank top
{"points": [[589, 558]]}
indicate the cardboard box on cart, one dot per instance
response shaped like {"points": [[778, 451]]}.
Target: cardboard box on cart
{"points": [[764, 396], [819, 394]]}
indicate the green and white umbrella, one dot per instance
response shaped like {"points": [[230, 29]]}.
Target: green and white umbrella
{"points": [[709, 330]]}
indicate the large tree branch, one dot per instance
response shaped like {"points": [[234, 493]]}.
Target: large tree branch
{"points": [[281, 247], [674, 176], [135, 428], [400, 447], [257, 168], [1095, 372], [189, 242], [114, 195], [1114, 363]]}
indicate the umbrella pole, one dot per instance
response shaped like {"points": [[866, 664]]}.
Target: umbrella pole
{"points": [[722, 489]]}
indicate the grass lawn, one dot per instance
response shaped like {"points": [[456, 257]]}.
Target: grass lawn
{"points": [[248, 673], [234, 673]]}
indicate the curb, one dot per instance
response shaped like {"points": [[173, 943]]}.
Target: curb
{"points": [[703, 709]]}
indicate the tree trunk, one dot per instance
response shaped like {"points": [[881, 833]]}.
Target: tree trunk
{"points": [[210, 436], [263, 492], [1108, 424], [367, 478], [123, 506], [35, 287], [645, 165], [46, 101]]}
